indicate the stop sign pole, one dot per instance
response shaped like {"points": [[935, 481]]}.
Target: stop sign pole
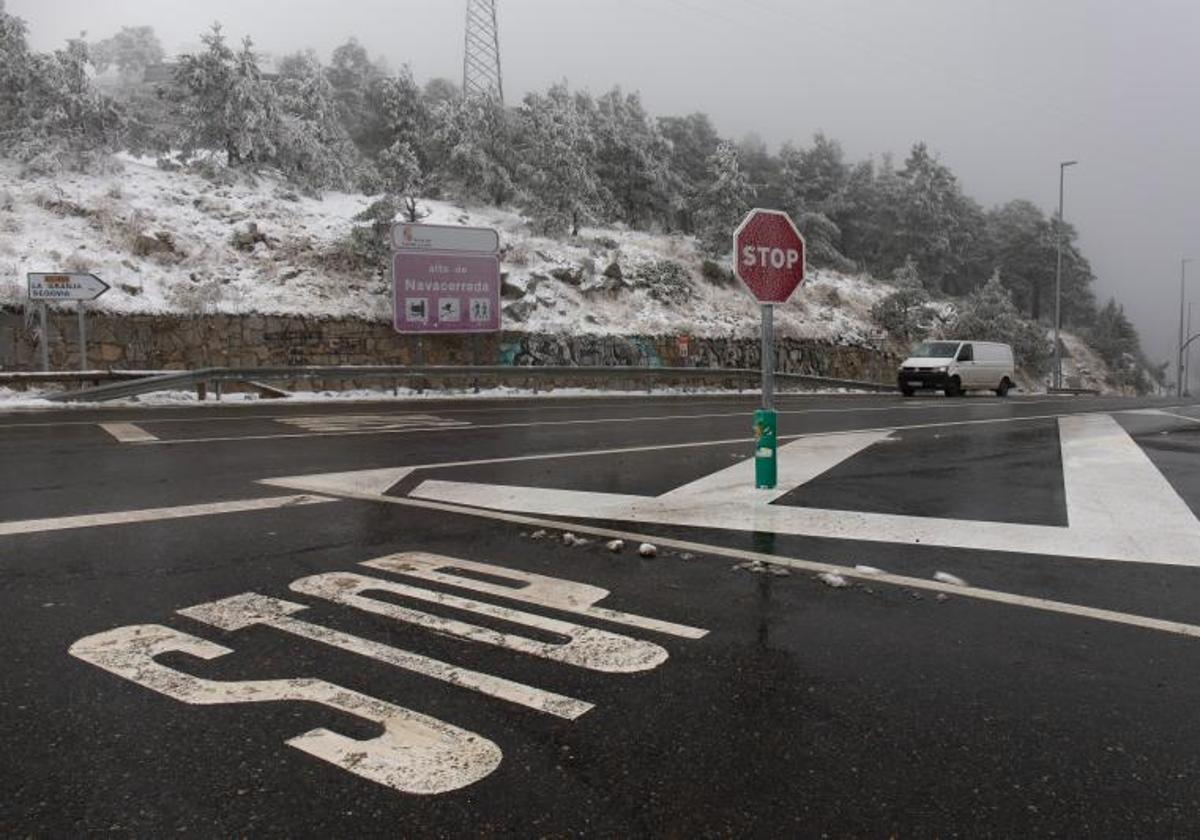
{"points": [[769, 258]]}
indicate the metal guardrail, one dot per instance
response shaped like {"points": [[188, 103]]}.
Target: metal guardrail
{"points": [[203, 378], [20, 377]]}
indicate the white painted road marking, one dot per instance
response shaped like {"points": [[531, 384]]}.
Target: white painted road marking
{"points": [[415, 754], [128, 432], [373, 482], [866, 573], [600, 421], [129, 517], [586, 647], [1119, 507], [250, 609], [370, 422], [555, 593]]}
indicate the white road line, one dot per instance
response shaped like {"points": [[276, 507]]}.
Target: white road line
{"points": [[800, 462], [369, 422], [547, 404], [241, 611], [356, 481], [1173, 414], [415, 753], [586, 647], [554, 593], [590, 421], [128, 517], [1102, 468], [976, 593], [128, 432]]}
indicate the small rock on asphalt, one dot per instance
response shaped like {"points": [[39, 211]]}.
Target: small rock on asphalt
{"points": [[648, 550]]}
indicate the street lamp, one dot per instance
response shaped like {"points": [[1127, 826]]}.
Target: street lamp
{"points": [[1062, 169], [1187, 357], [1182, 294]]}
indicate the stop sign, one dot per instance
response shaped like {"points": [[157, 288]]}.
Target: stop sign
{"points": [[768, 255]]}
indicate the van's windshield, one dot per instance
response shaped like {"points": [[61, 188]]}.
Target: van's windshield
{"points": [[936, 350]]}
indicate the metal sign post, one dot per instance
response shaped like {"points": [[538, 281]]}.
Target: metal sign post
{"points": [[766, 421], [44, 331], [83, 364], [769, 258]]}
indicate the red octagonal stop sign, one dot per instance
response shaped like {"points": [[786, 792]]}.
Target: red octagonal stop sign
{"points": [[768, 255]]}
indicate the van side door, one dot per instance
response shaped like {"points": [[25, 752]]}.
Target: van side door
{"points": [[967, 369]]}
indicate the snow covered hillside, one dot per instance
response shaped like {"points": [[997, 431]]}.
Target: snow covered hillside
{"points": [[174, 242]]}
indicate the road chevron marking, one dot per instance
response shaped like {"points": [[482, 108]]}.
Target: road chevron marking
{"points": [[1119, 506]]}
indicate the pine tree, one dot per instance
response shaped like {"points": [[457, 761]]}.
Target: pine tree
{"points": [[722, 201], [471, 141], [227, 104], [632, 160], [558, 160]]}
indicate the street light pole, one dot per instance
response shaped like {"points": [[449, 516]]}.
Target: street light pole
{"points": [[1062, 169], [1187, 356], [1182, 294]]}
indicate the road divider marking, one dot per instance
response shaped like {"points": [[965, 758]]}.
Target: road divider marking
{"points": [[251, 609], [555, 593], [415, 754], [128, 432], [1119, 506], [865, 574], [600, 421], [334, 423], [130, 517], [359, 481], [586, 647]]}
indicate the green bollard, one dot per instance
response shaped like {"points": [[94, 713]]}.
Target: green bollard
{"points": [[766, 444]]}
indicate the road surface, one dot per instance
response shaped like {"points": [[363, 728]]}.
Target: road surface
{"points": [[953, 618]]}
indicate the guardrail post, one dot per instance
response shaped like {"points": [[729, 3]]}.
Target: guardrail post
{"points": [[217, 389], [202, 391]]}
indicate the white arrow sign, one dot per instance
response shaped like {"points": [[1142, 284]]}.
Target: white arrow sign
{"points": [[48, 286]]}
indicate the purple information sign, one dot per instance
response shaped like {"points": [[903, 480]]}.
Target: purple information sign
{"points": [[446, 293]]}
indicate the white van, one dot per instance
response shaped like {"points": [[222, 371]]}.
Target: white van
{"points": [[957, 367]]}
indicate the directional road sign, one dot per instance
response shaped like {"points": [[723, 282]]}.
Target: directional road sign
{"points": [[769, 255], [446, 293], [45, 286]]}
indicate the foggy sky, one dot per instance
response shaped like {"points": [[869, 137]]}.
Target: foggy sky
{"points": [[1001, 89]]}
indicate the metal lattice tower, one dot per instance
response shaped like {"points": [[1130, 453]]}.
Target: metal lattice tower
{"points": [[481, 55]]}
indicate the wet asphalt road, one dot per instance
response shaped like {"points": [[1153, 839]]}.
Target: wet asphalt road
{"points": [[876, 709]]}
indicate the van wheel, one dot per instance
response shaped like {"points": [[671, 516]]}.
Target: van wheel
{"points": [[954, 388], [908, 392], [1005, 387]]}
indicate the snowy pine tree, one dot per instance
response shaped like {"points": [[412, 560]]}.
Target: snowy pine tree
{"points": [[722, 201], [558, 160], [228, 106], [472, 146]]}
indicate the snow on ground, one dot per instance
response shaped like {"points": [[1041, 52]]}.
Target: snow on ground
{"points": [[165, 241], [37, 397]]}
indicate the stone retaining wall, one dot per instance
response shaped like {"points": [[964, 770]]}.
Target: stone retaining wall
{"points": [[146, 342]]}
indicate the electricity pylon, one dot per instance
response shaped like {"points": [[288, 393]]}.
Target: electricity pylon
{"points": [[481, 55]]}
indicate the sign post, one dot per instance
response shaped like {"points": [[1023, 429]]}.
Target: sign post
{"points": [[769, 258], [44, 287]]}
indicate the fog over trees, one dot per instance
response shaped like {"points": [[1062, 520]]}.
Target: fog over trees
{"points": [[565, 157]]}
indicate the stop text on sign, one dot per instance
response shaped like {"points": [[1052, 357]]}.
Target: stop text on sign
{"points": [[754, 256]]}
